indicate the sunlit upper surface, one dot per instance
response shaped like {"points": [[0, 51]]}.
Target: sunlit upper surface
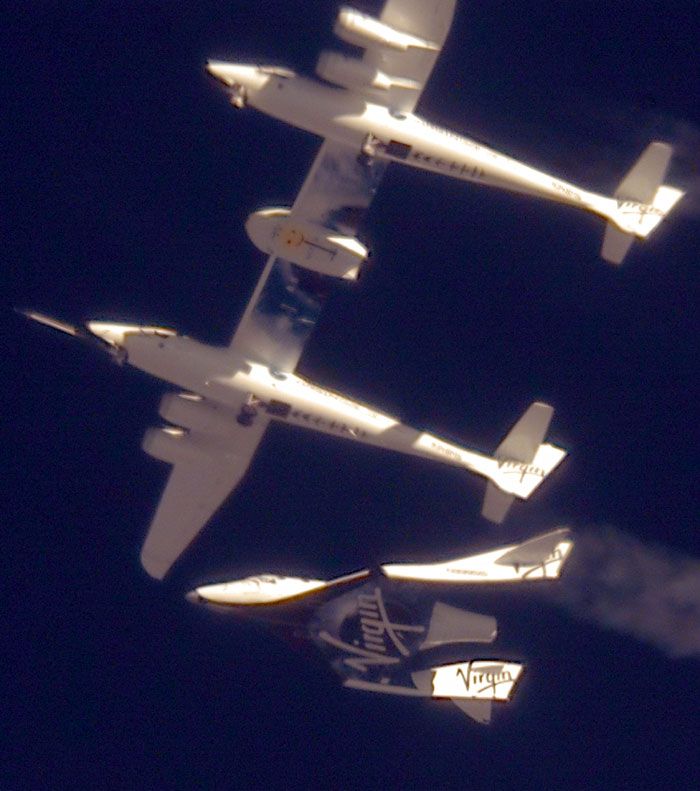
{"points": [[260, 589], [114, 334], [541, 557]]}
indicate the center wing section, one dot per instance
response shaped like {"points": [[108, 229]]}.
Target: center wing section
{"points": [[288, 298]]}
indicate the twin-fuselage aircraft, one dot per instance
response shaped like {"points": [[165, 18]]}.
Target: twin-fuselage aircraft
{"points": [[230, 394]]}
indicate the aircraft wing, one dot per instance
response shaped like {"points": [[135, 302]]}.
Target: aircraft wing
{"points": [[429, 20], [288, 298], [279, 319], [207, 466]]}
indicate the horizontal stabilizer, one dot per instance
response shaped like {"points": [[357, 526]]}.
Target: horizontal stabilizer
{"points": [[523, 462], [452, 625], [478, 679], [471, 685]]}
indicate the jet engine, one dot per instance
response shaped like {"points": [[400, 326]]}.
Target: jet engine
{"points": [[365, 31], [193, 412], [200, 427], [356, 74], [172, 444], [276, 232]]}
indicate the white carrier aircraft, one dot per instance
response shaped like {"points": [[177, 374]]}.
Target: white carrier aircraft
{"points": [[230, 398], [232, 393], [364, 106], [383, 636]]}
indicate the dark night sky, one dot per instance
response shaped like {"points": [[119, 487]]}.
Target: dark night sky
{"points": [[128, 179]]}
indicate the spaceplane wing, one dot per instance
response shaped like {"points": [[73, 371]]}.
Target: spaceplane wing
{"points": [[383, 631]]}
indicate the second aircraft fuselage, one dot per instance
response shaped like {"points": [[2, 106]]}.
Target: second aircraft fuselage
{"points": [[247, 389], [349, 118]]}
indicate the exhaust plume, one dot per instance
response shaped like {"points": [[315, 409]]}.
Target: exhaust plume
{"points": [[645, 590]]}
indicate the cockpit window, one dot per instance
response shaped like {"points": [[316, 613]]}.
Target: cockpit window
{"points": [[277, 71]]}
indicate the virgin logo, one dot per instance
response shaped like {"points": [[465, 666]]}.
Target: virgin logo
{"points": [[521, 468]]}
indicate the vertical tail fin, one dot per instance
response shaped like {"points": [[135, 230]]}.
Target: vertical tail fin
{"points": [[642, 202], [523, 462]]}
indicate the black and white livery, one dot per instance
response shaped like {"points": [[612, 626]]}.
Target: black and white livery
{"points": [[385, 636]]}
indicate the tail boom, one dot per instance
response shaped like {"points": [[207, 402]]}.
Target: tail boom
{"points": [[539, 558]]}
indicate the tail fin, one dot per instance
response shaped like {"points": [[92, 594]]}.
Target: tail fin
{"points": [[642, 202], [523, 462], [541, 557]]}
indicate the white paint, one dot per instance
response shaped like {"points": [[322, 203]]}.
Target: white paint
{"points": [[489, 567], [480, 679]]}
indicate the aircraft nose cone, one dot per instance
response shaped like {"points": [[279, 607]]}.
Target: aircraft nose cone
{"points": [[227, 73], [194, 597], [214, 68]]}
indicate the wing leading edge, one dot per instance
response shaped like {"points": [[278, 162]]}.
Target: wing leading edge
{"points": [[275, 327], [285, 305]]}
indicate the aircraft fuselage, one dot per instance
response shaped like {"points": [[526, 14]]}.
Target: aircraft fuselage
{"points": [[341, 115], [249, 389]]}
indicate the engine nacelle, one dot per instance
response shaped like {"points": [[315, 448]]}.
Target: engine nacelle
{"points": [[353, 73], [172, 445], [194, 413], [366, 31], [276, 232]]}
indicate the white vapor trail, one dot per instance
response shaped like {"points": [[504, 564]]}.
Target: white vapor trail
{"points": [[645, 590]]}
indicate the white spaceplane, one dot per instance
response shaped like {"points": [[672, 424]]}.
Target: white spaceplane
{"points": [[384, 631], [539, 558], [363, 106]]}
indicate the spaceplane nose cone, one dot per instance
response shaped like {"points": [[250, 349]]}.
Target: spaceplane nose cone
{"points": [[194, 597], [228, 74]]}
